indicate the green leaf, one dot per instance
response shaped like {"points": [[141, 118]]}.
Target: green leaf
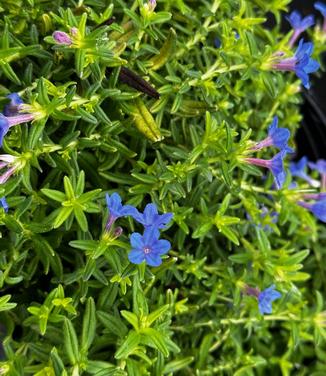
{"points": [[176, 365], [131, 318], [57, 363], [157, 339], [81, 219], [70, 341], [153, 316], [128, 346], [54, 195], [4, 305], [64, 213], [89, 324]]}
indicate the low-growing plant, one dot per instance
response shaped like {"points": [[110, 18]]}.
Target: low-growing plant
{"points": [[152, 220]]}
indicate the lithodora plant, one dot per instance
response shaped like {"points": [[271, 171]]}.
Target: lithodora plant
{"points": [[154, 218]]}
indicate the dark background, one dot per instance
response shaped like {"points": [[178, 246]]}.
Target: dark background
{"points": [[311, 137]]}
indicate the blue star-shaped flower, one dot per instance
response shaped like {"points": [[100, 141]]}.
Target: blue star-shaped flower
{"points": [[321, 7], [148, 247], [298, 169], [116, 208], [11, 109], [150, 217], [304, 63], [265, 299], [301, 63], [277, 137]]}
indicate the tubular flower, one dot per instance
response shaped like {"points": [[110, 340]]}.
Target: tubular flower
{"points": [[12, 164], [150, 217], [299, 25], [322, 9], [265, 299], [148, 247], [298, 169], [12, 108], [277, 137], [61, 37], [275, 165], [117, 210], [9, 121], [301, 63], [318, 209], [151, 5]]}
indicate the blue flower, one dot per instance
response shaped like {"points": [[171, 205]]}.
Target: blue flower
{"points": [[321, 7], [301, 63], [298, 169], [116, 208], [299, 24], [3, 204], [9, 121], [150, 217], [11, 109], [305, 64], [275, 165], [277, 137], [277, 169], [148, 247], [318, 209], [4, 128], [319, 166], [265, 299]]}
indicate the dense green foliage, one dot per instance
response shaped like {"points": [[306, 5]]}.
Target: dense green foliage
{"points": [[71, 302]]}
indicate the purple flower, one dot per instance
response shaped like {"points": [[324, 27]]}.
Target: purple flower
{"points": [[150, 217], [148, 247], [3, 204], [298, 169], [7, 160], [117, 210], [151, 5], [9, 121], [62, 38], [318, 209], [299, 25], [275, 165], [12, 108], [277, 137], [301, 63], [265, 299]]}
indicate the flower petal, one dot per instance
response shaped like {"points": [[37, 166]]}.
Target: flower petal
{"points": [[136, 240], [161, 247], [153, 259], [136, 256]]}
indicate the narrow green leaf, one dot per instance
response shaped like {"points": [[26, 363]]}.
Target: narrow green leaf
{"points": [[89, 324]]}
